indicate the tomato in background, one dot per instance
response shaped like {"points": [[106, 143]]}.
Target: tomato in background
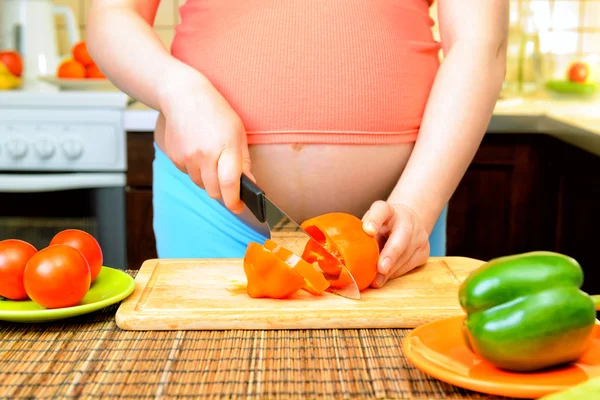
{"points": [[86, 244], [93, 72], [71, 69], [81, 54], [578, 72], [13, 61], [57, 276], [14, 255]]}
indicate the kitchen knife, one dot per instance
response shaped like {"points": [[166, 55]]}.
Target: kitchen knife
{"points": [[287, 233]]}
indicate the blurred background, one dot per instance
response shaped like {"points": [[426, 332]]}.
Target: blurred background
{"points": [[545, 37]]}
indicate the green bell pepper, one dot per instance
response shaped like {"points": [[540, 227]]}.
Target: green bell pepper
{"points": [[526, 312]]}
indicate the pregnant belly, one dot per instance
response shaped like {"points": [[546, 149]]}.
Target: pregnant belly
{"points": [[306, 180]]}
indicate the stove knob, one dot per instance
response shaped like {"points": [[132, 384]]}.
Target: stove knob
{"points": [[16, 148], [72, 148], [44, 147]]}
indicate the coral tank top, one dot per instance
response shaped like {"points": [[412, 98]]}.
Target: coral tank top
{"points": [[315, 71]]}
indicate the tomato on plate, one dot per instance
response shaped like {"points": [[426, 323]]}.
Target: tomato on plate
{"points": [[86, 244], [57, 276], [14, 255]]}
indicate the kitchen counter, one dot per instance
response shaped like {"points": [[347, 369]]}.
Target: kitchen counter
{"points": [[572, 121]]}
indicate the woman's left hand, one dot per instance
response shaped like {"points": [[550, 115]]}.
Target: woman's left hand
{"points": [[402, 238]]}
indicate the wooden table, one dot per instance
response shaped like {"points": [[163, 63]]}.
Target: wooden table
{"points": [[89, 357]]}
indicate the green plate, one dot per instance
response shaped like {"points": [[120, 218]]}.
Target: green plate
{"points": [[567, 87], [110, 287]]}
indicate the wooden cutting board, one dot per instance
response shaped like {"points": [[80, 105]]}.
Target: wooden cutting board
{"points": [[210, 294]]}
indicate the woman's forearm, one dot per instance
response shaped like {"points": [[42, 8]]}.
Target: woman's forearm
{"points": [[456, 117], [125, 47]]}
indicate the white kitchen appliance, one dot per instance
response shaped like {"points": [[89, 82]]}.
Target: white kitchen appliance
{"points": [[28, 26], [63, 165]]}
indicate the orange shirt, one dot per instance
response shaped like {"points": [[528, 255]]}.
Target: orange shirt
{"points": [[315, 71]]}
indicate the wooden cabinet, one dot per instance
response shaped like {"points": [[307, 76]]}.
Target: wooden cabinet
{"points": [[525, 193], [140, 154], [578, 212], [522, 192], [507, 199], [140, 233]]}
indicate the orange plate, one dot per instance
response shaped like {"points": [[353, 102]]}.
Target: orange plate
{"points": [[437, 348]]}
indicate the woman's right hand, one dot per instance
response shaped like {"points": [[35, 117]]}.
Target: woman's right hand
{"points": [[205, 138]]}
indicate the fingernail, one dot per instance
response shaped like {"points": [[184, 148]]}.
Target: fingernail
{"points": [[371, 228], [379, 280], [386, 264]]}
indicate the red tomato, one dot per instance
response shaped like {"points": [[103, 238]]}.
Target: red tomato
{"points": [[86, 244], [578, 72], [57, 276], [13, 61], [14, 255]]}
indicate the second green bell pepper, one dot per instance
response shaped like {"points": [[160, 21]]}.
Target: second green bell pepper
{"points": [[526, 312]]}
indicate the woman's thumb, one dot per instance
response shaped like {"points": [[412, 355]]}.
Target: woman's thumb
{"points": [[377, 216]]}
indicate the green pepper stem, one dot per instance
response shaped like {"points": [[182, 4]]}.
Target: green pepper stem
{"points": [[596, 299]]}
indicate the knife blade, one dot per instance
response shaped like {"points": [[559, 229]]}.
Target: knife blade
{"points": [[288, 234]]}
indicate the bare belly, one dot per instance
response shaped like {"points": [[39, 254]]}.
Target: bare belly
{"points": [[308, 180]]}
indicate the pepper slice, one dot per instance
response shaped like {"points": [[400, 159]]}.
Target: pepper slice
{"points": [[268, 275], [343, 236], [526, 312], [315, 281]]}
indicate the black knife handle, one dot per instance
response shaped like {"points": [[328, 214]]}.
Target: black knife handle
{"points": [[253, 197]]}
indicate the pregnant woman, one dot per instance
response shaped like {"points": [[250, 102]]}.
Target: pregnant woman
{"points": [[329, 105]]}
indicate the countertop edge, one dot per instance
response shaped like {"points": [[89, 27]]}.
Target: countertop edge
{"points": [[572, 122]]}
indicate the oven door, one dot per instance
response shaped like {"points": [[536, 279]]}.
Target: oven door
{"points": [[35, 207]]}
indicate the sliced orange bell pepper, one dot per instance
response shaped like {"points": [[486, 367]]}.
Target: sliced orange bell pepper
{"points": [[268, 275], [342, 235], [315, 281]]}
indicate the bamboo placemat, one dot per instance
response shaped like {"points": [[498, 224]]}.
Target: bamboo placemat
{"points": [[90, 357]]}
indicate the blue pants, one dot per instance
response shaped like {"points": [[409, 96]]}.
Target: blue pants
{"points": [[189, 224]]}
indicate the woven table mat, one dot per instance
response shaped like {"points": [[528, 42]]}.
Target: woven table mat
{"points": [[90, 357]]}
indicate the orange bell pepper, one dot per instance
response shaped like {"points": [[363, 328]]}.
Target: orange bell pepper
{"points": [[315, 281], [268, 275], [342, 235]]}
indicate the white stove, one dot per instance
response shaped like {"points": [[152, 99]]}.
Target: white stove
{"points": [[62, 131], [63, 162]]}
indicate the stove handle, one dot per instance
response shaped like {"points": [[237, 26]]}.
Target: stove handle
{"points": [[31, 183]]}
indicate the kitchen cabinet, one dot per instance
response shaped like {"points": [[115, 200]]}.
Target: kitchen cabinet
{"points": [[505, 202], [140, 234], [522, 192], [578, 212]]}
